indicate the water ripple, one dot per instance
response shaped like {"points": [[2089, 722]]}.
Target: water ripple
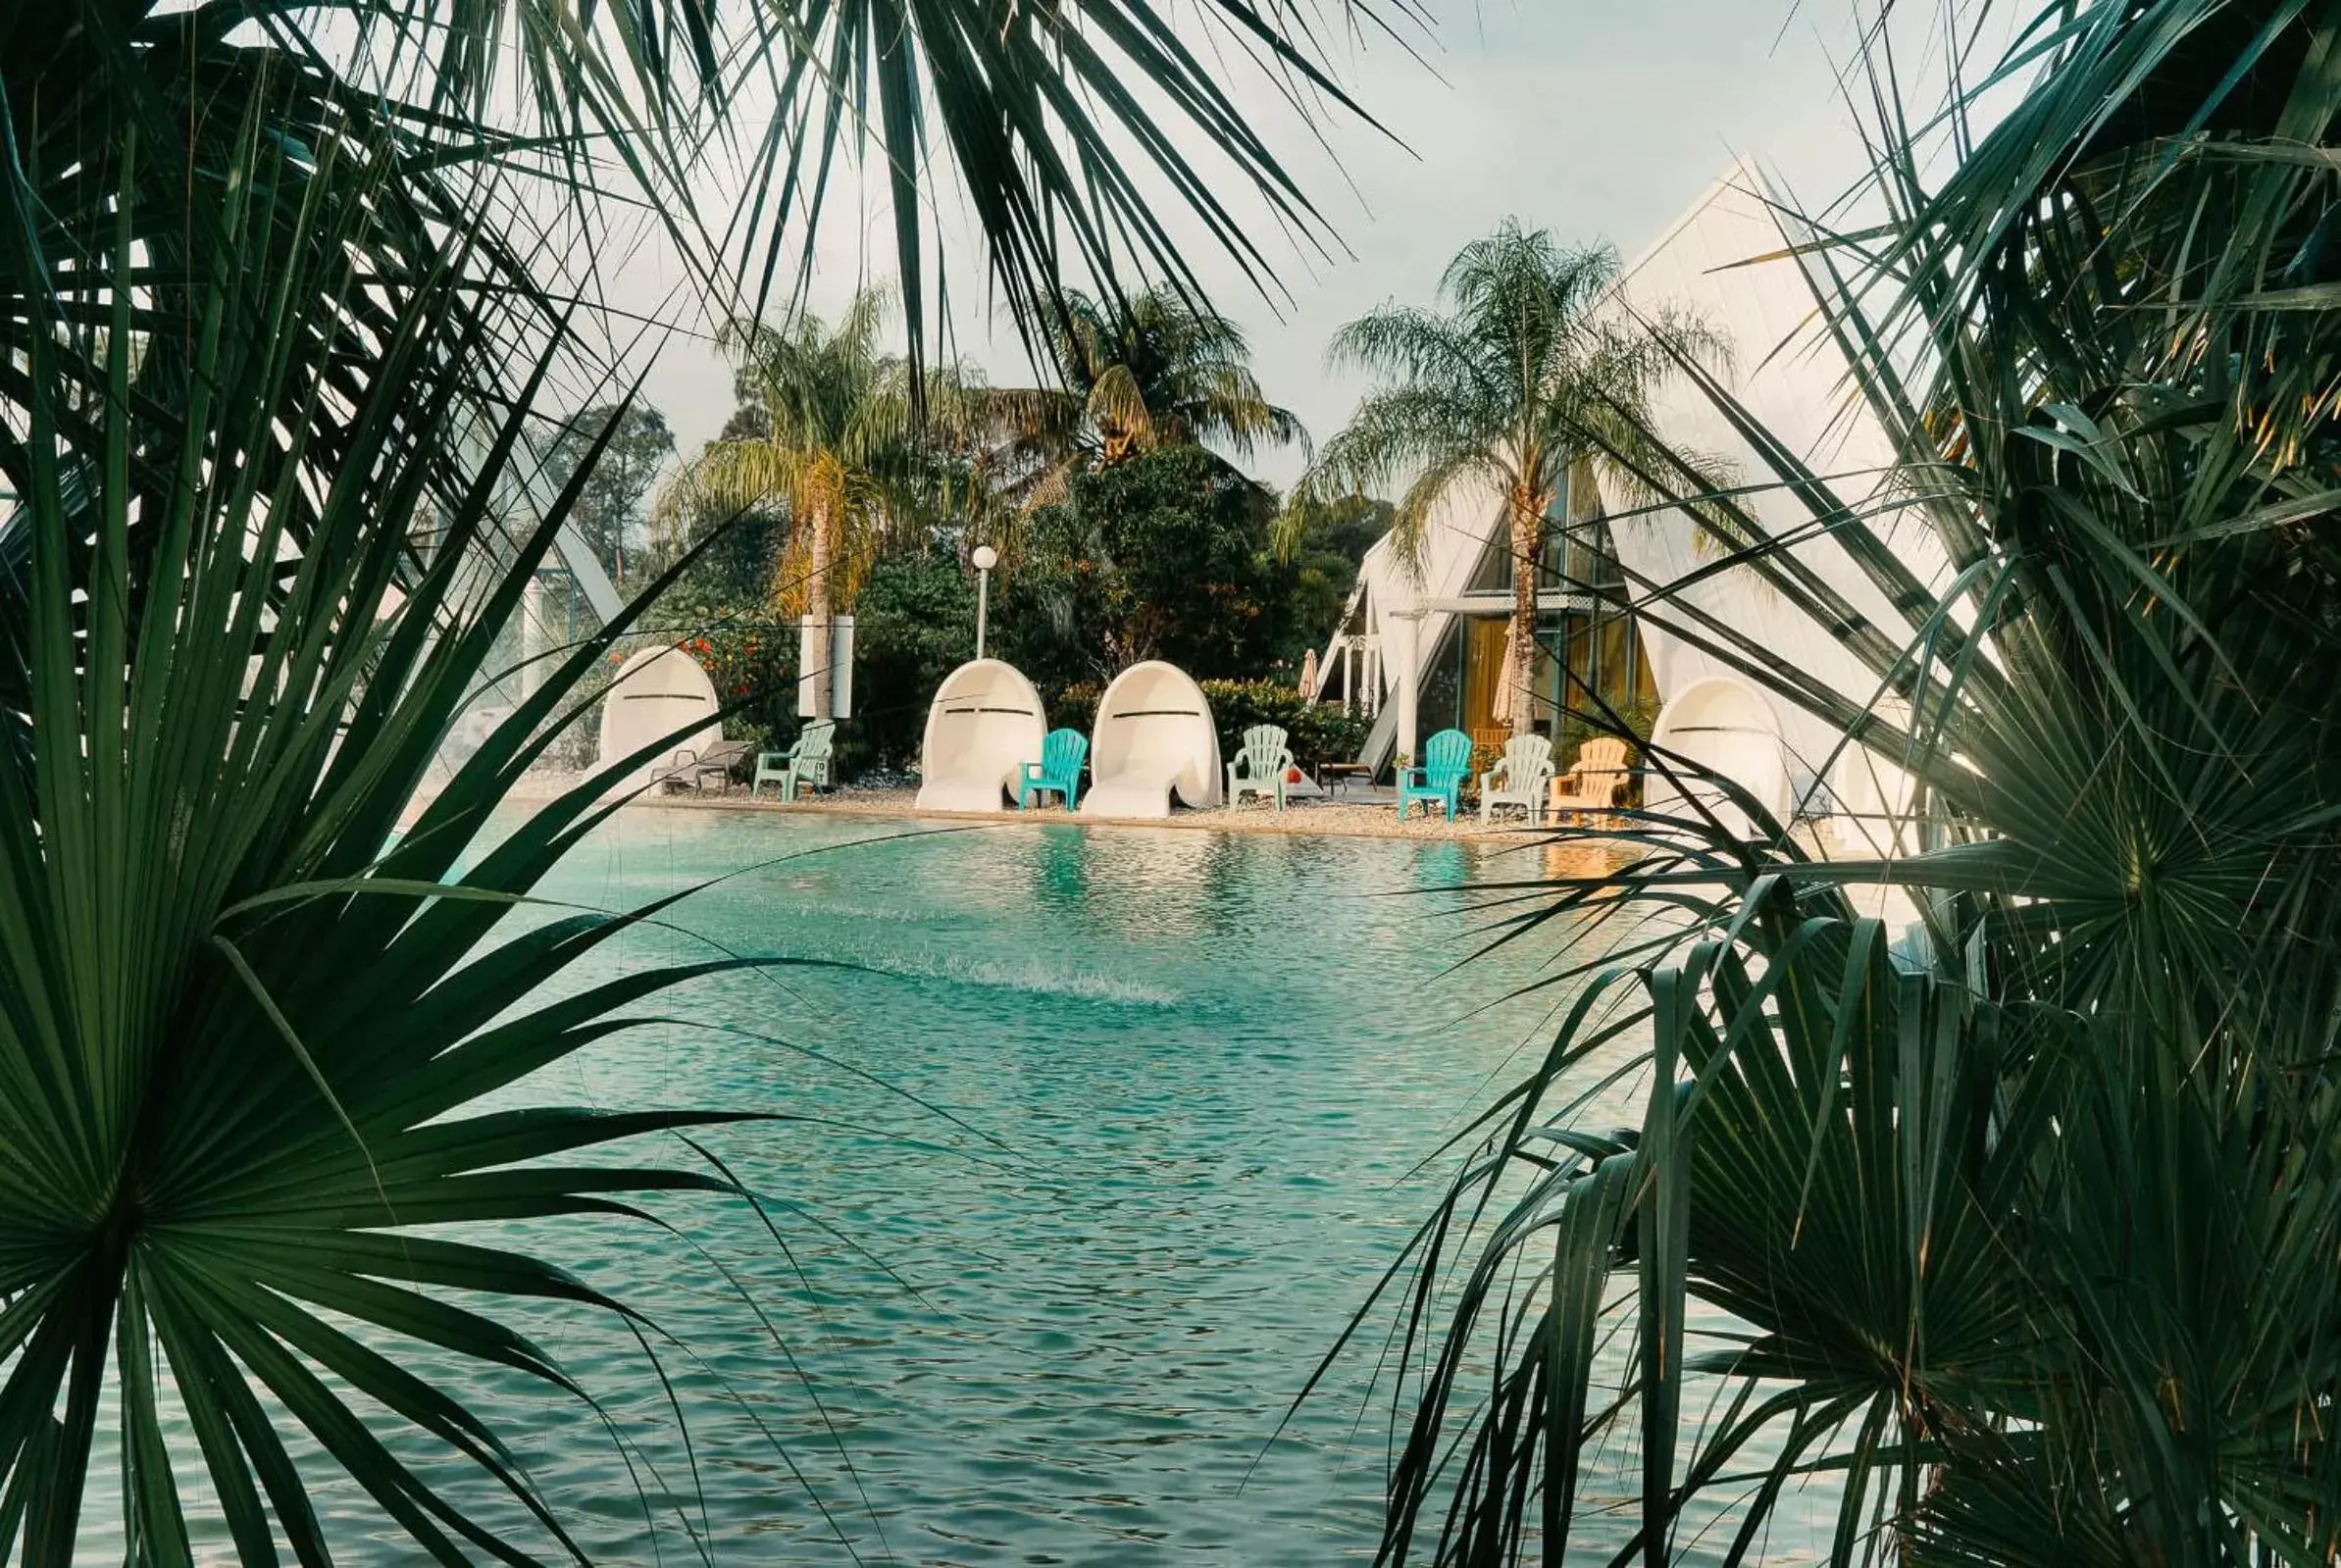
{"points": [[1124, 1125]]}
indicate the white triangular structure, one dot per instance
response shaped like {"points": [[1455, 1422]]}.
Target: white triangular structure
{"points": [[1153, 740], [985, 724], [1395, 620], [657, 692], [1729, 260]]}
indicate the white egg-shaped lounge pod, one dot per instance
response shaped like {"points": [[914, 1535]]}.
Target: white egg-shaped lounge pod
{"points": [[1153, 741], [656, 693], [1726, 727], [985, 723]]}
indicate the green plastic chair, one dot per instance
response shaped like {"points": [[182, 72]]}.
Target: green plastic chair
{"points": [[1446, 764], [804, 763], [1260, 765], [1062, 753]]}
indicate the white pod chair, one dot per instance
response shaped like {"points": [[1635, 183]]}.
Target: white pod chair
{"points": [[656, 693], [1153, 742], [984, 726], [1726, 727]]}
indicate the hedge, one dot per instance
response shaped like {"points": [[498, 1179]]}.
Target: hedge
{"points": [[1316, 733]]}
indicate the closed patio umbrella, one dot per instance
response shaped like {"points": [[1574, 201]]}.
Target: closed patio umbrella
{"points": [[1508, 682], [1308, 675]]}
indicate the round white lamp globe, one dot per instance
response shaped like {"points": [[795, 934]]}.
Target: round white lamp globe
{"points": [[985, 557]]}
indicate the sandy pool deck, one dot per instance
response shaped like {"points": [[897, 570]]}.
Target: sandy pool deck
{"points": [[1312, 815], [1321, 814]]}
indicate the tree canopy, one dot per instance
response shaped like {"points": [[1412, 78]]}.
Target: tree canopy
{"points": [[608, 514], [1164, 555], [1156, 369]]}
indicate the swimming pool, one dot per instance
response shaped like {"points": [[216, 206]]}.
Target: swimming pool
{"points": [[1154, 1104]]}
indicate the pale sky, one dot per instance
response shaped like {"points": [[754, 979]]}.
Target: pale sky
{"points": [[1594, 117]]}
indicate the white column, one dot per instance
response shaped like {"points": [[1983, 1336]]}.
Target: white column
{"points": [[534, 636], [1401, 630]]}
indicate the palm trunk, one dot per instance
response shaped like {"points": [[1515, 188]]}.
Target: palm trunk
{"points": [[817, 614], [1528, 552]]}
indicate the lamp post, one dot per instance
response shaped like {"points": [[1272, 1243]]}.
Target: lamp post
{"points": [[984, 559]]}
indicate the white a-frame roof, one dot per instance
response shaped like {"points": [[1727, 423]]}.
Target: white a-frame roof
{"points": [[1729, 258]]}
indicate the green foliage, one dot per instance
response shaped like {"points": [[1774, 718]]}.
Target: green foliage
{"points": [[2025, 1221], [841, 442], [1325, 548], [1163, 556], [1074, 707], [249, 1012], [608, 515], [1321, 733], [1157, 369], [1523, 378], [730, 566], [914, 625], [1344, 527]]}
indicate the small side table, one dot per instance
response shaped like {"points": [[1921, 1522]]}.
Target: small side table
{"points": [[1341, 774]]}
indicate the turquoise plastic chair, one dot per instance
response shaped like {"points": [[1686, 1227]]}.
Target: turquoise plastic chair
{"points": [[1062, 753], [1446, 764]]}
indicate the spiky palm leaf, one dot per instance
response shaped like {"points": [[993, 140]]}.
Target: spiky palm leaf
{"points": [[242, 1043], [2022, 1241]]}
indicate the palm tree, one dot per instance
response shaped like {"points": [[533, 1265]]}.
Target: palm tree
{"points": [[424, 120], [844, 439], [274, 319], [2012, 1239], [1157, 369], [1523, 381]]}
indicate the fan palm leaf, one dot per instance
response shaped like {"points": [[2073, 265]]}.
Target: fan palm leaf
{"points": [[2012, 1246], [215, 1148]]}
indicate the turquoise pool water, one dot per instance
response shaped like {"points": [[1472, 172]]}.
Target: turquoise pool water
{"points": [[1155, 1102]]}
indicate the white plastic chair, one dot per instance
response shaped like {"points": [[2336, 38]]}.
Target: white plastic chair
{"points": [[1518, 778]]}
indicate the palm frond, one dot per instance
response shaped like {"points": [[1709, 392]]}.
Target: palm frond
{"points": [[214, 1146], [2025, 1219]]}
